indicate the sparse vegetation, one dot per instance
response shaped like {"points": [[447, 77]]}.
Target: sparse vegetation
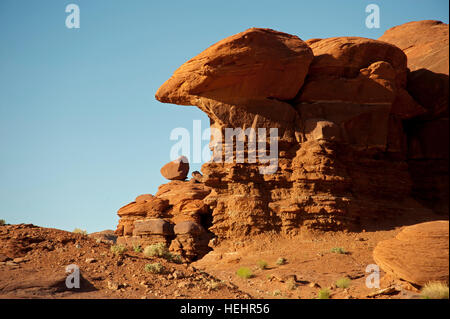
{"points": [[291, 284], [262, 264], [323, 294], [244, 272], [214, 285], [176, 259], [161, 250], [281, 261], [80, 231], [137, 248], [155, 268], [277, 293], [156, 250], [2, 222], [118, 250], [343, 282], [434, 290], [338, 250]]}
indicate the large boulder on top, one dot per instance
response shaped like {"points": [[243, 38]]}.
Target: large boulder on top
{"points": [[177, 169], [418, 254], [346, 56], [256, 63], [359, 85], [424, 42]]}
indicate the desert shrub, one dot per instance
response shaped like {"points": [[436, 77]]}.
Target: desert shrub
{"points": [[323, 294], [277, 293], [155, 268], [157, 250], [215, 285], [434, 290], [343, 282], [244, 272], [291, 284], [2, 222], [137, 248], [161, 250], [175, 259], [118, 249], [281, 261], [80, 231], [262, 264], [338, 250]]}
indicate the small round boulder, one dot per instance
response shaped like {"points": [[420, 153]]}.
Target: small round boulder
{"points": [[177, 169]]}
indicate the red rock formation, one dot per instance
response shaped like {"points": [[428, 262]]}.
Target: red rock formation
{"points": [[341, 141], [343, 108], [155, 219], [426, 44]]}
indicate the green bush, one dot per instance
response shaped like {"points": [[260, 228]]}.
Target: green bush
{"points": [[80, 231], [281, 261], [244, 272], [343, 283], [2, 222], [161, 250], [157, 250], [323, 294], [118, 249], [137, 248], [262, 264], [338, 250], [434, 290], [155, 268]]}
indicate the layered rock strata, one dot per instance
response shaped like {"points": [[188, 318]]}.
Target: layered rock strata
{"points": [[338, 105]]}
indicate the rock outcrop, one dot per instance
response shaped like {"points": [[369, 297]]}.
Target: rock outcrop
{"points": [[338, 105], [323, 134], [162, 218], [418, 254], [426, 44]]}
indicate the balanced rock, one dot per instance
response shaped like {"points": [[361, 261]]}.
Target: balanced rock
{"points": [[177, 169], [418, 254]]}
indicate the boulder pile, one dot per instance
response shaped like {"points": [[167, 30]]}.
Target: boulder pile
{"points": [[176, 216]]}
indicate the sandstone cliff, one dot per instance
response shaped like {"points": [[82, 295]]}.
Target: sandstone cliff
{"points": [[361, 131]]}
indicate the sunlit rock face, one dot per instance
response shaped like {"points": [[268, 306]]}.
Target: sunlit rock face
{"points": [[426, 44], [342, 109]]}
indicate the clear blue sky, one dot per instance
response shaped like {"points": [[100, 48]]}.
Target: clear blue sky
{"points": [[80, 131]]}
